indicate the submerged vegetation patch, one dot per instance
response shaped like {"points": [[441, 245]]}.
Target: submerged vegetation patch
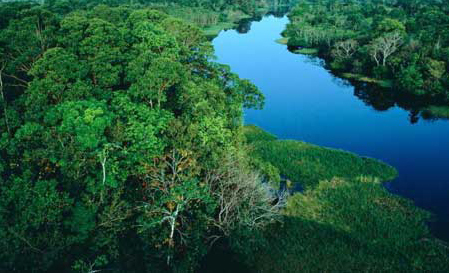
{"points": [[363, 78], [214, 30], [306, 51]]}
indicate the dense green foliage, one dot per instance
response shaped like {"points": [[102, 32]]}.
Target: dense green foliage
{"points": [[309, 164], [211, 15], [403, 42], [113, 124]]}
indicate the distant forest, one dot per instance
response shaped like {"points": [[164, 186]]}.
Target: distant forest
{"points": [[402, 45]]}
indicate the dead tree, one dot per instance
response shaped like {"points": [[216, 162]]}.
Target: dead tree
{"points": [[383, 47]]}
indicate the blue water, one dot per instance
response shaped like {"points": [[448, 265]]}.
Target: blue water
{"points": [[305, 102]]}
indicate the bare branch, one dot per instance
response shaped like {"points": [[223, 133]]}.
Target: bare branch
{"points": [[345, 49], [243, 199], [384, 46]]}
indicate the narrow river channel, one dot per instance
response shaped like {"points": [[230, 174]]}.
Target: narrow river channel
{"points": [[306, 102]]}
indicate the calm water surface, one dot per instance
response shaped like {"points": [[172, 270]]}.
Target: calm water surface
{"points": [[305, 102]]}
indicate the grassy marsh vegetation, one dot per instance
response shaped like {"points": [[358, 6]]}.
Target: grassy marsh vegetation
{"points": [[350, 224], [253, 133], [342, 226], [309, 164]]}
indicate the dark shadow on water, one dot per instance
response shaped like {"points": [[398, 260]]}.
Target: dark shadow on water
{"points": [[440, 227], [291, 187]]}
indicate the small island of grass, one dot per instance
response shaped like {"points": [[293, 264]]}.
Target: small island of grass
{"points": [[282, 41]]}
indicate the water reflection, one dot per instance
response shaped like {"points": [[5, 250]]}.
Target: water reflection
{"points": [[384, 99], [275, 8]]}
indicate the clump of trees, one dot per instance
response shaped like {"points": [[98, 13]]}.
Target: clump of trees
{"points": [[114, 125], [405, 42]]}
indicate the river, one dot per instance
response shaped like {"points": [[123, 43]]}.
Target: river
{"points": [[306, 102]]}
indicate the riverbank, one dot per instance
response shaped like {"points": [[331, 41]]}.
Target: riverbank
{"points": [[375, 43], [294, 48]]}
